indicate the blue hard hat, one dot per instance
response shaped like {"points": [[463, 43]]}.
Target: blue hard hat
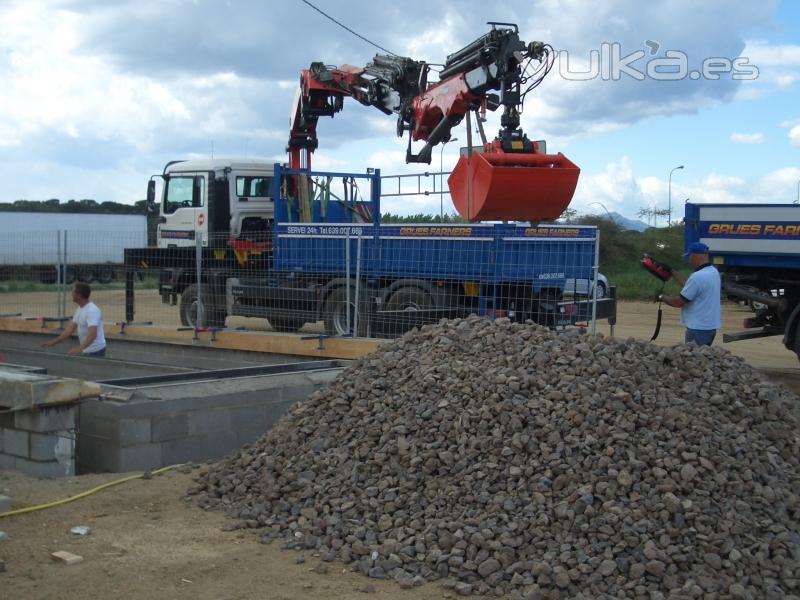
{"points": [[695, 248]]}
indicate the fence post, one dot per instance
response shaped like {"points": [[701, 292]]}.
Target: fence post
{"points": [[66, 266], [596, 269], [358, 284], [198, 259], [347, 277], [59, 276]]}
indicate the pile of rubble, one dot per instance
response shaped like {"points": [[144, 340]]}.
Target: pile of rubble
{"points": [[504, 458]]}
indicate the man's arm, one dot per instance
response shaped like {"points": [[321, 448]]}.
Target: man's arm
{"points": [[68, 331], [679, 278], [90, 336], [675, 300]]}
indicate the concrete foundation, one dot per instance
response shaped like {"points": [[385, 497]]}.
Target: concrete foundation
{"points": [[185, 408]]}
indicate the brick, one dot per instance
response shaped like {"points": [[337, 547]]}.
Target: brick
{"points": [[204, 422], [46, 420], [169, 427], [48, 446], [198, 448], [5, 503], [16, 442], [139, 458], [68, 558], [44, 470], [8, 462], [133, 432]]}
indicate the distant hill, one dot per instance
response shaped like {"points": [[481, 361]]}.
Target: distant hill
{"points": [[628, 224]]}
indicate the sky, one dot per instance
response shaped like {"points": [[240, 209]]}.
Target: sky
{"points": [[97, 95]]}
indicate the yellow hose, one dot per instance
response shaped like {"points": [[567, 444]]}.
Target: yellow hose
{"points": [[27, 509]]}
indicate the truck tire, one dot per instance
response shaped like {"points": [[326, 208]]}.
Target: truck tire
{"points": [[411, 301], [105, 274], [214, 316], [335, 314], [86, 275]]}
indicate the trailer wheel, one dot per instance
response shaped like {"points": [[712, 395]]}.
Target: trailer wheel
{"points": [[213, 317], [105, 274], [410, 301]]}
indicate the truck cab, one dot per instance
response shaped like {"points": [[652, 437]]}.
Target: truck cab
{"points": [[220, 199]]}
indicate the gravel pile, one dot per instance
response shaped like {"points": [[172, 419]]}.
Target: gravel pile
{"points": [[505, 459]]}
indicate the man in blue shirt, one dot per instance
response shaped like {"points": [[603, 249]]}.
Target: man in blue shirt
{"points": [[699, 300]]}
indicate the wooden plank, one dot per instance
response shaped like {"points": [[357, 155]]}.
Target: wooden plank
{"points": [[252, 341]]}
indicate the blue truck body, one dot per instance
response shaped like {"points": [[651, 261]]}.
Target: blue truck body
{"points": [[756, 248]]}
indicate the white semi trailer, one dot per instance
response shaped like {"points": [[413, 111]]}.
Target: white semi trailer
{"points": [[90, 245]]}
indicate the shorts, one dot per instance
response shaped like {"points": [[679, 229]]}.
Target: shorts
{"points": [[701, 337]]}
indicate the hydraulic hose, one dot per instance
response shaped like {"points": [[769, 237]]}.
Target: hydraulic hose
{"points": [[27, 509]]}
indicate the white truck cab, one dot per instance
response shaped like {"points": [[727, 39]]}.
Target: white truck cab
{"points": [[220, 198]]}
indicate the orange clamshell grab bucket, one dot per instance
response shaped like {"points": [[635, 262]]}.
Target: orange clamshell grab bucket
{"points": [[501, 186]]}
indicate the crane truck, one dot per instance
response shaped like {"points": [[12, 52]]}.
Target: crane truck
{"points": [[278, 243], [756, 248]]}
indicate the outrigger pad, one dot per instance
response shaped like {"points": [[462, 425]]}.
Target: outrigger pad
{"points": [[500, 186]]}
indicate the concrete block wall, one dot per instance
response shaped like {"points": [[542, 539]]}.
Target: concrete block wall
{"points": [[41, 442], [191, 422]]}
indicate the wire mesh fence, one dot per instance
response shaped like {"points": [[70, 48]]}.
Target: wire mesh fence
{"points": [[38, 269], [362, 280], [347, 279]]}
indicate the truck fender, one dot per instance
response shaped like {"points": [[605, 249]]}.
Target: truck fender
{"points": [[790, 329]]}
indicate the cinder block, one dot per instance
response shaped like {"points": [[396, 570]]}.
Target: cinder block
{"points": [[7, 461], [16, 442], [59, 445], [45, 470], [5, 503], [169, 427], [139, 458], [46, 420], [204, 422], [133, 432], [247, 417], [198, 448]]}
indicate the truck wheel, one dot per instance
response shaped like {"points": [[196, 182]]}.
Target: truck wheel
{"points": [[410, 301], [86, 275], [105, 274], [214, 317], [335, 313], [70, 276], [546, 308]]}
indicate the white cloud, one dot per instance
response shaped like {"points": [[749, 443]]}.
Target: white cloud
{"points": [[794, 135], [747, 138]]}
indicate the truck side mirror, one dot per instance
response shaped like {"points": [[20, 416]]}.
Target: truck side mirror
{"points": [[151, 197]]}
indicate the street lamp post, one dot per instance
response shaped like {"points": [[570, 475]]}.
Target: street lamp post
{"points": [[669, 205], [798, 192], [441, 178]]}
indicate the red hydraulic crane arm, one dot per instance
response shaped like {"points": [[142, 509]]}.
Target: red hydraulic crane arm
{"points": [[493, 71]]}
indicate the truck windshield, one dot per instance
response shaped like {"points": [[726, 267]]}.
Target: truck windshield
{"points": [[253, 186], [184, 192]]}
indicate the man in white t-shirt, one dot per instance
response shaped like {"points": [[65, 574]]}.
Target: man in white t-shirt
{"points": [[699, 299], [88, 322]]}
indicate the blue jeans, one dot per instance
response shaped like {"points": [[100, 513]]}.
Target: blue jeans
{"points": [[701, 337], [99, 354]]}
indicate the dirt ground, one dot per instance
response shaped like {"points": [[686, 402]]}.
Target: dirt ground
{"points": [[147, 541]]}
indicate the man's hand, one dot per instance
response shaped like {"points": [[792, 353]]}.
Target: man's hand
{"points": [[48, 344], [75, 351], [658, 297]]}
